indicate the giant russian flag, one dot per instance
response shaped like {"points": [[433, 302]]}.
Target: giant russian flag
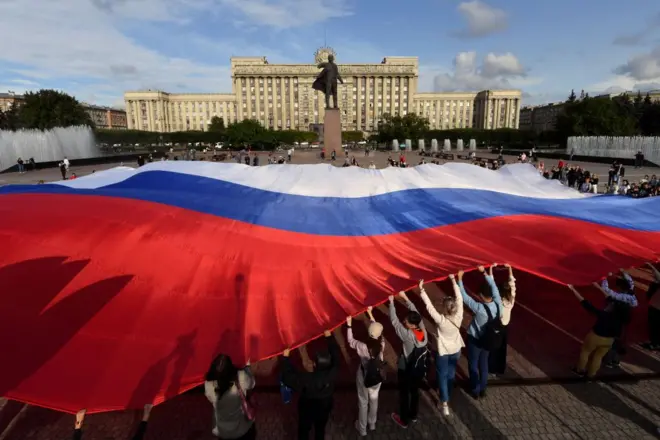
{"points": [[117, 289]]}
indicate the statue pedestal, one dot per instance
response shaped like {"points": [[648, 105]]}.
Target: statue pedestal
{"points": [[332, 131]]}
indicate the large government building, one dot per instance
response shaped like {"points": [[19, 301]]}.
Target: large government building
{"points": [[280, 96]]}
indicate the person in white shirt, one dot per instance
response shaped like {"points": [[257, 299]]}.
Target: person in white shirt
{"points": [[369, 352], [66, 163], [497, 358], [448, 321], [372, 166]]}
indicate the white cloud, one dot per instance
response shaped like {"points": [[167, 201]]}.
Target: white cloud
{"points": [[495, 72], [643, 67], [639, 37], [283, 14], [640, 72], [53, 45], [482, 19]]}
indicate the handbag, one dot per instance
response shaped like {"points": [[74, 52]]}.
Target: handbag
{"points": [[247, 408]]}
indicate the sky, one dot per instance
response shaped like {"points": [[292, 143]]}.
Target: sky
{"points": [[97, 49]]}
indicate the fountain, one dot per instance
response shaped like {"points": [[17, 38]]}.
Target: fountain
{"points": [[395, 145], [615, 147], [434, 145], [459, 145], [447, 146], [420, 145], [47, 146], [473, 145], [408, 145]]}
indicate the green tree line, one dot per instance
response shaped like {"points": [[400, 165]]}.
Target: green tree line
{"points": [[44, 110]]}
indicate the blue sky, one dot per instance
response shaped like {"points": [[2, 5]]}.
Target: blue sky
{"points": [[97, 49]]}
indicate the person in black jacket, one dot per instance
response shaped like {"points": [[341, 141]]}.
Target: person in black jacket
{"points": [[316, 389], [609, 325]]}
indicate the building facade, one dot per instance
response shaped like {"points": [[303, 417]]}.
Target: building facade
{"points": [[106, 117], [540, 118], [8, 100], [280, 96]]}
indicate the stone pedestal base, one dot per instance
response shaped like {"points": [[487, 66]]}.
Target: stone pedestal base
{"points": [[332, 131]]}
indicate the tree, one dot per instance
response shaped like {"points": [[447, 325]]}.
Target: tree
{"points": [[352, 136], [582, 95], [596, 117], [572, 97], [410, 126], [48, 109], [217, 124], [9, 119], [245, 132]]}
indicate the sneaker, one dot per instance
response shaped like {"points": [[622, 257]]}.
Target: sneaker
{"points": [[413, 420], [445, 409], [360, 432], [578, 372], [372, 427], [474, 395], [482, 394], [398, 421]]}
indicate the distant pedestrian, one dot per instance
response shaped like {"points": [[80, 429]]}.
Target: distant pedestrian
{"points": [[63, 170], [21, 166]]}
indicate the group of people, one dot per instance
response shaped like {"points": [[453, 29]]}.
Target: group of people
{"points": [[572, 176], [23, 167], [587, 182], [646, 187], [228, 387]]}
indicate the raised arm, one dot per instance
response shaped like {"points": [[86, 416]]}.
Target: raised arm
{"points": [[586, 304], [512, 281], [333, 349], [352, 342], [290, 376], [399, 329], [467, 299], [457, 294], [77, 427], [437, 317], [656, 272], [250, 377], [490, 279], [623, 297], [411, 307]]}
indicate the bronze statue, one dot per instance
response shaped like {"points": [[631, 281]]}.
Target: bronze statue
{"points": [[326, 81]]}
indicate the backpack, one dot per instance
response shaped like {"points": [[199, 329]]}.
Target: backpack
{"points": [[417, 362], [492, 333], [374, 372]]}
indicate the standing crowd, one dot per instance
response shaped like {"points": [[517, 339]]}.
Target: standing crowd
{"points": [[228, 387]]}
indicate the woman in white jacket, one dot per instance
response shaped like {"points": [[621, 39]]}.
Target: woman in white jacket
{"points": [[448, 320], [371, 350]]}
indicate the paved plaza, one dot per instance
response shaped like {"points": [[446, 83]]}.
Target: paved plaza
{"points": [[537, 398]]}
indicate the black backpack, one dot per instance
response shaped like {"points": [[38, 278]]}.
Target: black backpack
{"points": [[417, 362], [374, 372], [492, 333]]}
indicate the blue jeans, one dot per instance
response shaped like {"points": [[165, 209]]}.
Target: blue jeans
{"points": [[477, 366], [445, 369]]}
